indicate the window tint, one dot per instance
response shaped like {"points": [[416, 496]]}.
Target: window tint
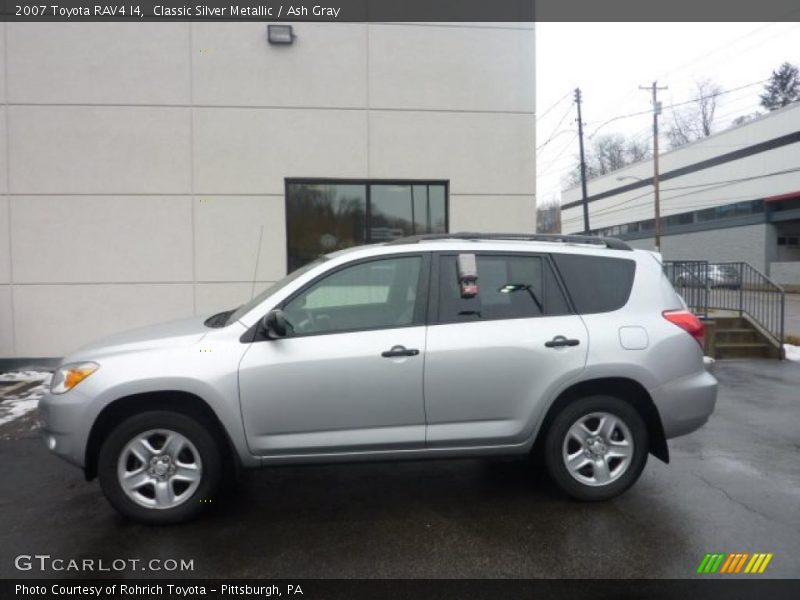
{"points": [[323, 217], [509, 287], [380, 293], [596, 283]]}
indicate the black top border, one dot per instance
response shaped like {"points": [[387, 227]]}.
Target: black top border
{"points": [[431, 11]]}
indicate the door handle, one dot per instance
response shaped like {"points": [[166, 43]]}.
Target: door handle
{"points": [[396, 351], [560, 341]]}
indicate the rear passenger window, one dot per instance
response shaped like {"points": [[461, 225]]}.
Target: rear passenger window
{"points": [[510, 287], [596, 284]]}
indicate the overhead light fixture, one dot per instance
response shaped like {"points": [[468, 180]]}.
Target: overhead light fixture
{"points": [[280, 34]]}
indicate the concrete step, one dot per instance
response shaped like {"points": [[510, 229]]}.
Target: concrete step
{"points": [[744, 350], [731, 322], [737, 335]]}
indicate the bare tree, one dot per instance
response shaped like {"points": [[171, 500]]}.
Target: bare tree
{"points": [[609, 153], [548, 218], [639, 150], [696, 120], [741, 120]]}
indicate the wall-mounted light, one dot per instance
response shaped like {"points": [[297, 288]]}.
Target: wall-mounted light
{"points": [[280, 34]]}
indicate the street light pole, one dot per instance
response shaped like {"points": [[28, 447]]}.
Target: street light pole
{"points": [[656, 111]]}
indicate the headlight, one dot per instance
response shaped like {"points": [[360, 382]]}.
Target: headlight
{"points": [[68, 376]]}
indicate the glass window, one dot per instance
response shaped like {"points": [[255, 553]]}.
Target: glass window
{"points": [[321, 218], [508, 287], [324, 217], [274, 288], [596, 284], [370, 295]]}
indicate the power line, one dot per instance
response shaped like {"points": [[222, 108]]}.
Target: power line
{"points": [[736, 41], [552, 106], [675, 105], [553, 135], [547, 170]]}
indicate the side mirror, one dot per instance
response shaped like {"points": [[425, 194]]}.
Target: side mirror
{"points": [[275, 324]]}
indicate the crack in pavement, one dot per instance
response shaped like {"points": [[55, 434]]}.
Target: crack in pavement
{"points": [[739, 502]]}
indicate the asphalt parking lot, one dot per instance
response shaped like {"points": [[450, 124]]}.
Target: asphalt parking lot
{"points": [[733, 486]]}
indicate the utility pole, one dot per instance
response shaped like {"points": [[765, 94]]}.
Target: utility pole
{"points": [[653, 89], [583, 163]]}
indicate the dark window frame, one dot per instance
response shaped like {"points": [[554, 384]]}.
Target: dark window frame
{"points": [[367, 183], [434, 316], [421, 311]]}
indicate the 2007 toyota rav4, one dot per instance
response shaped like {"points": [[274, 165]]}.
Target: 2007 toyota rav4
{"points": [[425, 347]]}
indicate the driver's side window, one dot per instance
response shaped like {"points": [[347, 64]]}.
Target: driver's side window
{"points": [[370, 295]]}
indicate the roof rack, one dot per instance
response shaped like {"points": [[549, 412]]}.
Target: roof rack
{"points": [[608, 242]]}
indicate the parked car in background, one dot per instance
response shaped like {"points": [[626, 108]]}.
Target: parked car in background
{"points": [[706, 275], [574, 348]]}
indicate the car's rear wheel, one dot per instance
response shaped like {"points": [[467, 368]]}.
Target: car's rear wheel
{"points": [[159, 467], [596, 448]]}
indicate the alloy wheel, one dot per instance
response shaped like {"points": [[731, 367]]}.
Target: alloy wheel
{"points": [[598, 448], [159, 468]]}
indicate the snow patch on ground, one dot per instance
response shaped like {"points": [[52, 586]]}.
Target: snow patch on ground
{"points": [[792, 352], [13, 403]]}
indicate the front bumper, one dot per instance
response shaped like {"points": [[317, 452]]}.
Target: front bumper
{"points": [[686, 403], [64, 425]]}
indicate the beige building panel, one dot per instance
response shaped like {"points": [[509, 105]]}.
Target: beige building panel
{"points": [[3, 152], [436, 68], [89, 239], [215, 297], [5, 233], [487, 214], [3, 86], [99, 150], [251, 151], [227, 232], [479, 153], [234, 65], [6, 323], [92, 63], [53, 320]]}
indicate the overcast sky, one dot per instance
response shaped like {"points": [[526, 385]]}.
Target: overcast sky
{"points": [[609, 61]]}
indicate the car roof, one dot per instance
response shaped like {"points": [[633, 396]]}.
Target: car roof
{"points": [[465, 242], [594, 240]]}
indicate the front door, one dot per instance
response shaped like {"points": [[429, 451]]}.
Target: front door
{"points": [[348, 376]]}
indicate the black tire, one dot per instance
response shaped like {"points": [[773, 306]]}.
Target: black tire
{"points": [[194, 431], [557, 434]]}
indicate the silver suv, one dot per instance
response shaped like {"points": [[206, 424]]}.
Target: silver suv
{"points": [[573, 348]]}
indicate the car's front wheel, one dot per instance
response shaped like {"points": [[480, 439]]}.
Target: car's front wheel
{"points": [[159, 467], [596, 448]]}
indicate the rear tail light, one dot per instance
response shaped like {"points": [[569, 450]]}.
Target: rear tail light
{"points": [[687, 321]]}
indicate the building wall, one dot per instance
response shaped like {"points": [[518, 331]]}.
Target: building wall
{"points": [[747, 178], [139, 162], [747, 243], [786, 274]]}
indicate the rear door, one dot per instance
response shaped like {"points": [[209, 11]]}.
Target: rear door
{"points": [[492, 358]]}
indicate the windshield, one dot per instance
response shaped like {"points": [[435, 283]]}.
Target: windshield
{"points": [[251, 304]]}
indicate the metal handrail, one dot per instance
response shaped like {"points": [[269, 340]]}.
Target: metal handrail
{"points": [[735, 286]]}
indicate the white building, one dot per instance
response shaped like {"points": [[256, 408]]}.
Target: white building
{"points": [[155, 171], [734, 196]]}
